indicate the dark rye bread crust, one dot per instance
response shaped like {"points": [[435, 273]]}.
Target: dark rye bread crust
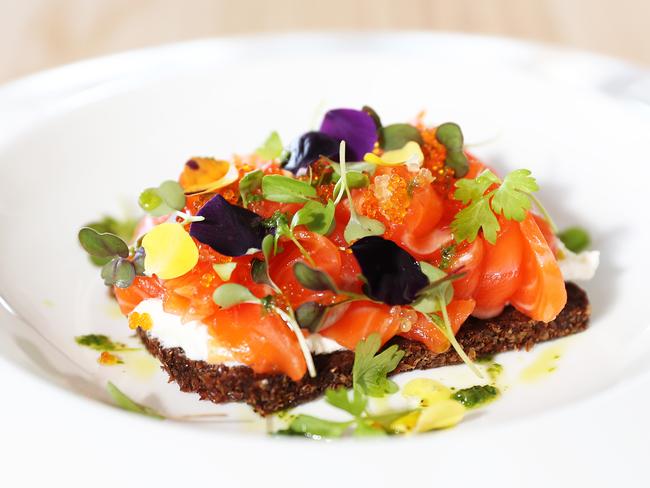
{"points": [[268, 393]]}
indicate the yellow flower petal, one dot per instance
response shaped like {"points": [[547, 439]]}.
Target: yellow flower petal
{"points": [[440, 415], [428, 391], [205, 175], [411, 155], [169, 250]]}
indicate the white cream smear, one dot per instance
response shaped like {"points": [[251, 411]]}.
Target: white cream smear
{"points": [[195, 339], [579, 267]]}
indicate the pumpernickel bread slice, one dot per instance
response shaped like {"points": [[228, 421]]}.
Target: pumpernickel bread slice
{"points": [[268, 393]]}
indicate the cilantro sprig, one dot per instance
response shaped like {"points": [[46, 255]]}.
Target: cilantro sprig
{"points": [[369, 379], [487, 197]]}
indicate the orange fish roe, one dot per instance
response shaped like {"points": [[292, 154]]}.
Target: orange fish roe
{"points": [[434, 159], [109, 359], [142, 320], [391, 192]]}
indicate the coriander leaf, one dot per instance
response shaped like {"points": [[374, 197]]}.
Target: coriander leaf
{"points": [[313, 279], [248, 184], [284, 189], [272, 147], [126, 403], [100, 342], [231, 294], [369, 372], [472, 189], [367, 428], [316, 428], [340, 398], [576, 239], [317, 217], [102, 245], [511, 198], [478, 215]]}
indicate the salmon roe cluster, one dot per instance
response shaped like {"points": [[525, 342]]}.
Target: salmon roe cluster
{"points": [[434, 159], [142, 320], [391, 193]]}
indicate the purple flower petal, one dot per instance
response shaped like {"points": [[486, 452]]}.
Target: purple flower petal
{"points": [[393, 276], [228, 229], [308, 148], [355, 127]]}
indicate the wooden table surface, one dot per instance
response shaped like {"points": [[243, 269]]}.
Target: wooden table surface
{"points": [[38, 34]]}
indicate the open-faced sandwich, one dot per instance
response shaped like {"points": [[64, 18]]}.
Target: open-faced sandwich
{"points": [[254, 280]]}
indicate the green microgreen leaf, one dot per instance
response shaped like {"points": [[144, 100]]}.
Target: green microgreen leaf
{"points": [[373, 114], [124, 229], [310, 315], [272, 147], [370, 372], [224, 270], [102, 245], [102, 343], [340, 398], [284, 189], [450, 136], [169, 196], [123, 401], [138, 261], [427, 300], [231, 294], [313, 279], [359, 167], [118, 272], [259, 273], [315, 428], [395, 136], [511, 198], [576, 239], [317, 217], [361, 226], [250, 183]]}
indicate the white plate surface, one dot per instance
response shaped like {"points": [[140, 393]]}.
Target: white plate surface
{"points": [[83, 140]]}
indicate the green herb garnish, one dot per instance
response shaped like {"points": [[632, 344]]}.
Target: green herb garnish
{"points": [[123, 401], [512, 198], [231, 294], [272, 147], [475, 396], [576, 239], [102, 343], [248, 184], [165, 199], [395, 136], [370, 370], [316, 217], [450, 136], [284, 189], [359, 225]]}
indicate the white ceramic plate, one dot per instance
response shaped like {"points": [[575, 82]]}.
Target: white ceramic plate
{"points": [[83, 140]]}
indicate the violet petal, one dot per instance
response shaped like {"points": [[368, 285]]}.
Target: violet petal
{"points": [[393, 276], [355, 127], [308, 148], [228, 229]]}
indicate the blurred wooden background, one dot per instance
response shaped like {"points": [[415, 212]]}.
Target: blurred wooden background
{"points": [[38, 34]]}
